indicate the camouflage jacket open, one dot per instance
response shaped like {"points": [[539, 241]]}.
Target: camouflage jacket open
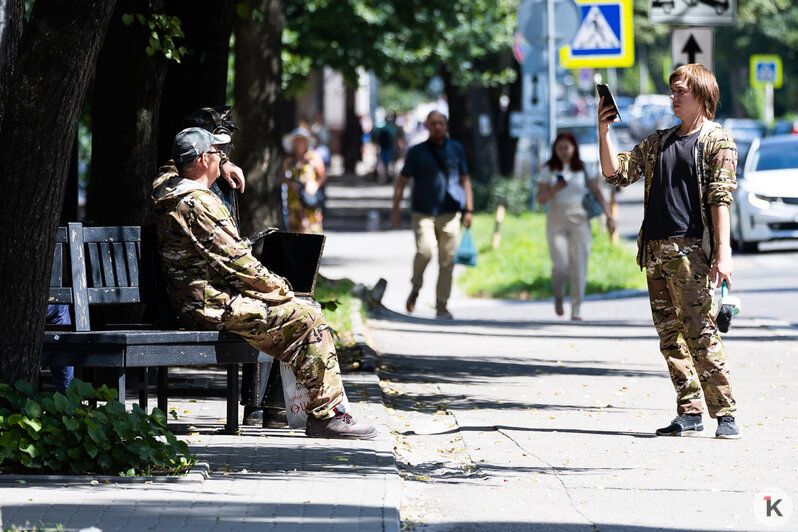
{"points": [[205, 261], [716, 165]]}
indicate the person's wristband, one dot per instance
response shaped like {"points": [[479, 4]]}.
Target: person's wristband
{"points": [[468, 211]]}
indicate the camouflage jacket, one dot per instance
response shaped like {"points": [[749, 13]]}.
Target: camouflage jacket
{"points": [[205, 261], [716, 163]]}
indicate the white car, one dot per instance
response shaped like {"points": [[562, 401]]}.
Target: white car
{"points": [[766, 200]]}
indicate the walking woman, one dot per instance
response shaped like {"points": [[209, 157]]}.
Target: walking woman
{"points": [[562, 185], [304, 174]]}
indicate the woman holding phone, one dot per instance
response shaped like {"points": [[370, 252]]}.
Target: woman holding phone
{"points": [[562, 185]]}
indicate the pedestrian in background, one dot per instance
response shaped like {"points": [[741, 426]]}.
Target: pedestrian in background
{"points": [[689, 173], [435, 165], [303, 174], [562, 185]]}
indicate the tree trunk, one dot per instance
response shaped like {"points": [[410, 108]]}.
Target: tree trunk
{"points": [[459, 120], [508, 144], [200, 80], [56, 57], [353, 134], [258, 94], [124, 120], [12, 20], [486, 157]]}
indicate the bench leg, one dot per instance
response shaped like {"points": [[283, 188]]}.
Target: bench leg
{"points": [[163, 384], [120, 372], [231, 427], [144, 383]]}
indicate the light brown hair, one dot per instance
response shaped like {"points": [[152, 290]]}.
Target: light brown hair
{"points": [[702, 83]]}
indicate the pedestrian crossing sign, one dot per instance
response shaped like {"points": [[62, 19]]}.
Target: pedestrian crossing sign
{"points": [[604, 37]]}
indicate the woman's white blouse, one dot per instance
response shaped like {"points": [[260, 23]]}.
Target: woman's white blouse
{"points": [[571, 194]]}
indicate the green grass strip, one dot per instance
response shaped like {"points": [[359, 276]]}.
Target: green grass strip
{"points": [[521, 268]]}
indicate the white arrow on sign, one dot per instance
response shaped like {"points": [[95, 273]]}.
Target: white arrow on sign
{"points": [[693, 45]]}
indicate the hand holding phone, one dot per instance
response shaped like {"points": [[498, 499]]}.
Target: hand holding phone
{"points": [[609, 100], [561, 179]]}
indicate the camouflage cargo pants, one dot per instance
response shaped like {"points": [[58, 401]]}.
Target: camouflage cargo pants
{"points": [[294, 332], [680, 293]]}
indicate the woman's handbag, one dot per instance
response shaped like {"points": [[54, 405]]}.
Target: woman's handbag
{"points": [[311, 201], [590, 203], [466, 251]]}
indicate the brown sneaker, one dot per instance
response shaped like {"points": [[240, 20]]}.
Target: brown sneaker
{"points": [[410, 304], [341, 426]]}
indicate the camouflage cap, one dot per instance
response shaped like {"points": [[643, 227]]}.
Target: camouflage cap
{"points": [[192, 142]]}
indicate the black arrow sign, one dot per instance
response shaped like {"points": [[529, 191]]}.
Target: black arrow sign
{"points": [[534, 90], [691, 48]]}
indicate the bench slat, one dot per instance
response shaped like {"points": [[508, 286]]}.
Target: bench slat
{"points": [[94, 263], [57, 273], [60, 296], [120, 266], [132, 262], [123, 233], [122, 294], [142, 337], [107, 265], [79, 293]]}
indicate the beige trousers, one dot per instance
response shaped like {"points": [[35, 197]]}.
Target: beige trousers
{"points": [[568, 235], [443, 229]]}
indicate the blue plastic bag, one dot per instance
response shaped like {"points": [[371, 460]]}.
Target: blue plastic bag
{"points": [[466, 251]]}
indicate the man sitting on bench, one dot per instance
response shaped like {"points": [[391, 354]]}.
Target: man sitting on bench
{"points": [[214, 282]]}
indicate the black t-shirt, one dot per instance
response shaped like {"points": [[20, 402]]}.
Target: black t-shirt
{"points": [[674, 209], [429, 186]]}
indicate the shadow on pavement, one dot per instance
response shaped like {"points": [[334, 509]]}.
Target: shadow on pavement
{"points": [[461, 369], [243, 461], [174, 514], [466, 428]]}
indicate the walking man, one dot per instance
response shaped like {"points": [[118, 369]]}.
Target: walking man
{"points": [[438, 168], [683, 244], [215, 283]]}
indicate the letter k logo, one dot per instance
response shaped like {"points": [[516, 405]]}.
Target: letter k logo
{"points": [[772, 506]]}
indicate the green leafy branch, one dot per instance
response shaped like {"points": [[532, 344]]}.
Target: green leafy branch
{"points": [[164, 29]]}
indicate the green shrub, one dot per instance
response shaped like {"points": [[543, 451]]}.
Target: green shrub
{"points": [[514, 191], [52, 433], [521, 268]]}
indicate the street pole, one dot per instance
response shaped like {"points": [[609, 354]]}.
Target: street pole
{"points": [[552, 58], [768, 104]]}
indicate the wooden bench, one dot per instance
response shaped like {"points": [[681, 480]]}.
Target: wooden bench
{"points": [[120, 265]]}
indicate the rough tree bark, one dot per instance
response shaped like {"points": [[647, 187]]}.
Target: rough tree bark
{"points": [[258, 92], [485, 149], [56, 56], [12, 20], [200, 80], [127, 97]]}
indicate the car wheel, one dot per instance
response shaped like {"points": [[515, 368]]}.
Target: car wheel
{"points": [[746, 247]]}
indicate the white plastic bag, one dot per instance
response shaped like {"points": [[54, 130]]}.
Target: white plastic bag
{"points": [[296, 398]]}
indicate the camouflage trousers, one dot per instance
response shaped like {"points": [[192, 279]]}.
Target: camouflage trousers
{"points": [[680, 293], [294, 332]]}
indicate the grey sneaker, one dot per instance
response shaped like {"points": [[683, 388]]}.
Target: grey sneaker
{"points": [[727, 428], [341, 426], [682, 425]]}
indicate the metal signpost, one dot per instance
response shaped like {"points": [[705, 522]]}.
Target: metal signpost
{"points": [[766, 71], [692, 45], [693, 12]]}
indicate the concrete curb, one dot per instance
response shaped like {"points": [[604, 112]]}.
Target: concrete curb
{"points": [[384, 444], [196, 475]]}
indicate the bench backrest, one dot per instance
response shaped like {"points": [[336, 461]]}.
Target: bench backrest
{"points": [[108, 265]]}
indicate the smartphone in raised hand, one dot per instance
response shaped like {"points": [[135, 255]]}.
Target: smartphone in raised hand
{"points": [[604, 91]]}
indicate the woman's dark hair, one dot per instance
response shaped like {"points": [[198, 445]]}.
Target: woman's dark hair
{"points": [[575, 162]]}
